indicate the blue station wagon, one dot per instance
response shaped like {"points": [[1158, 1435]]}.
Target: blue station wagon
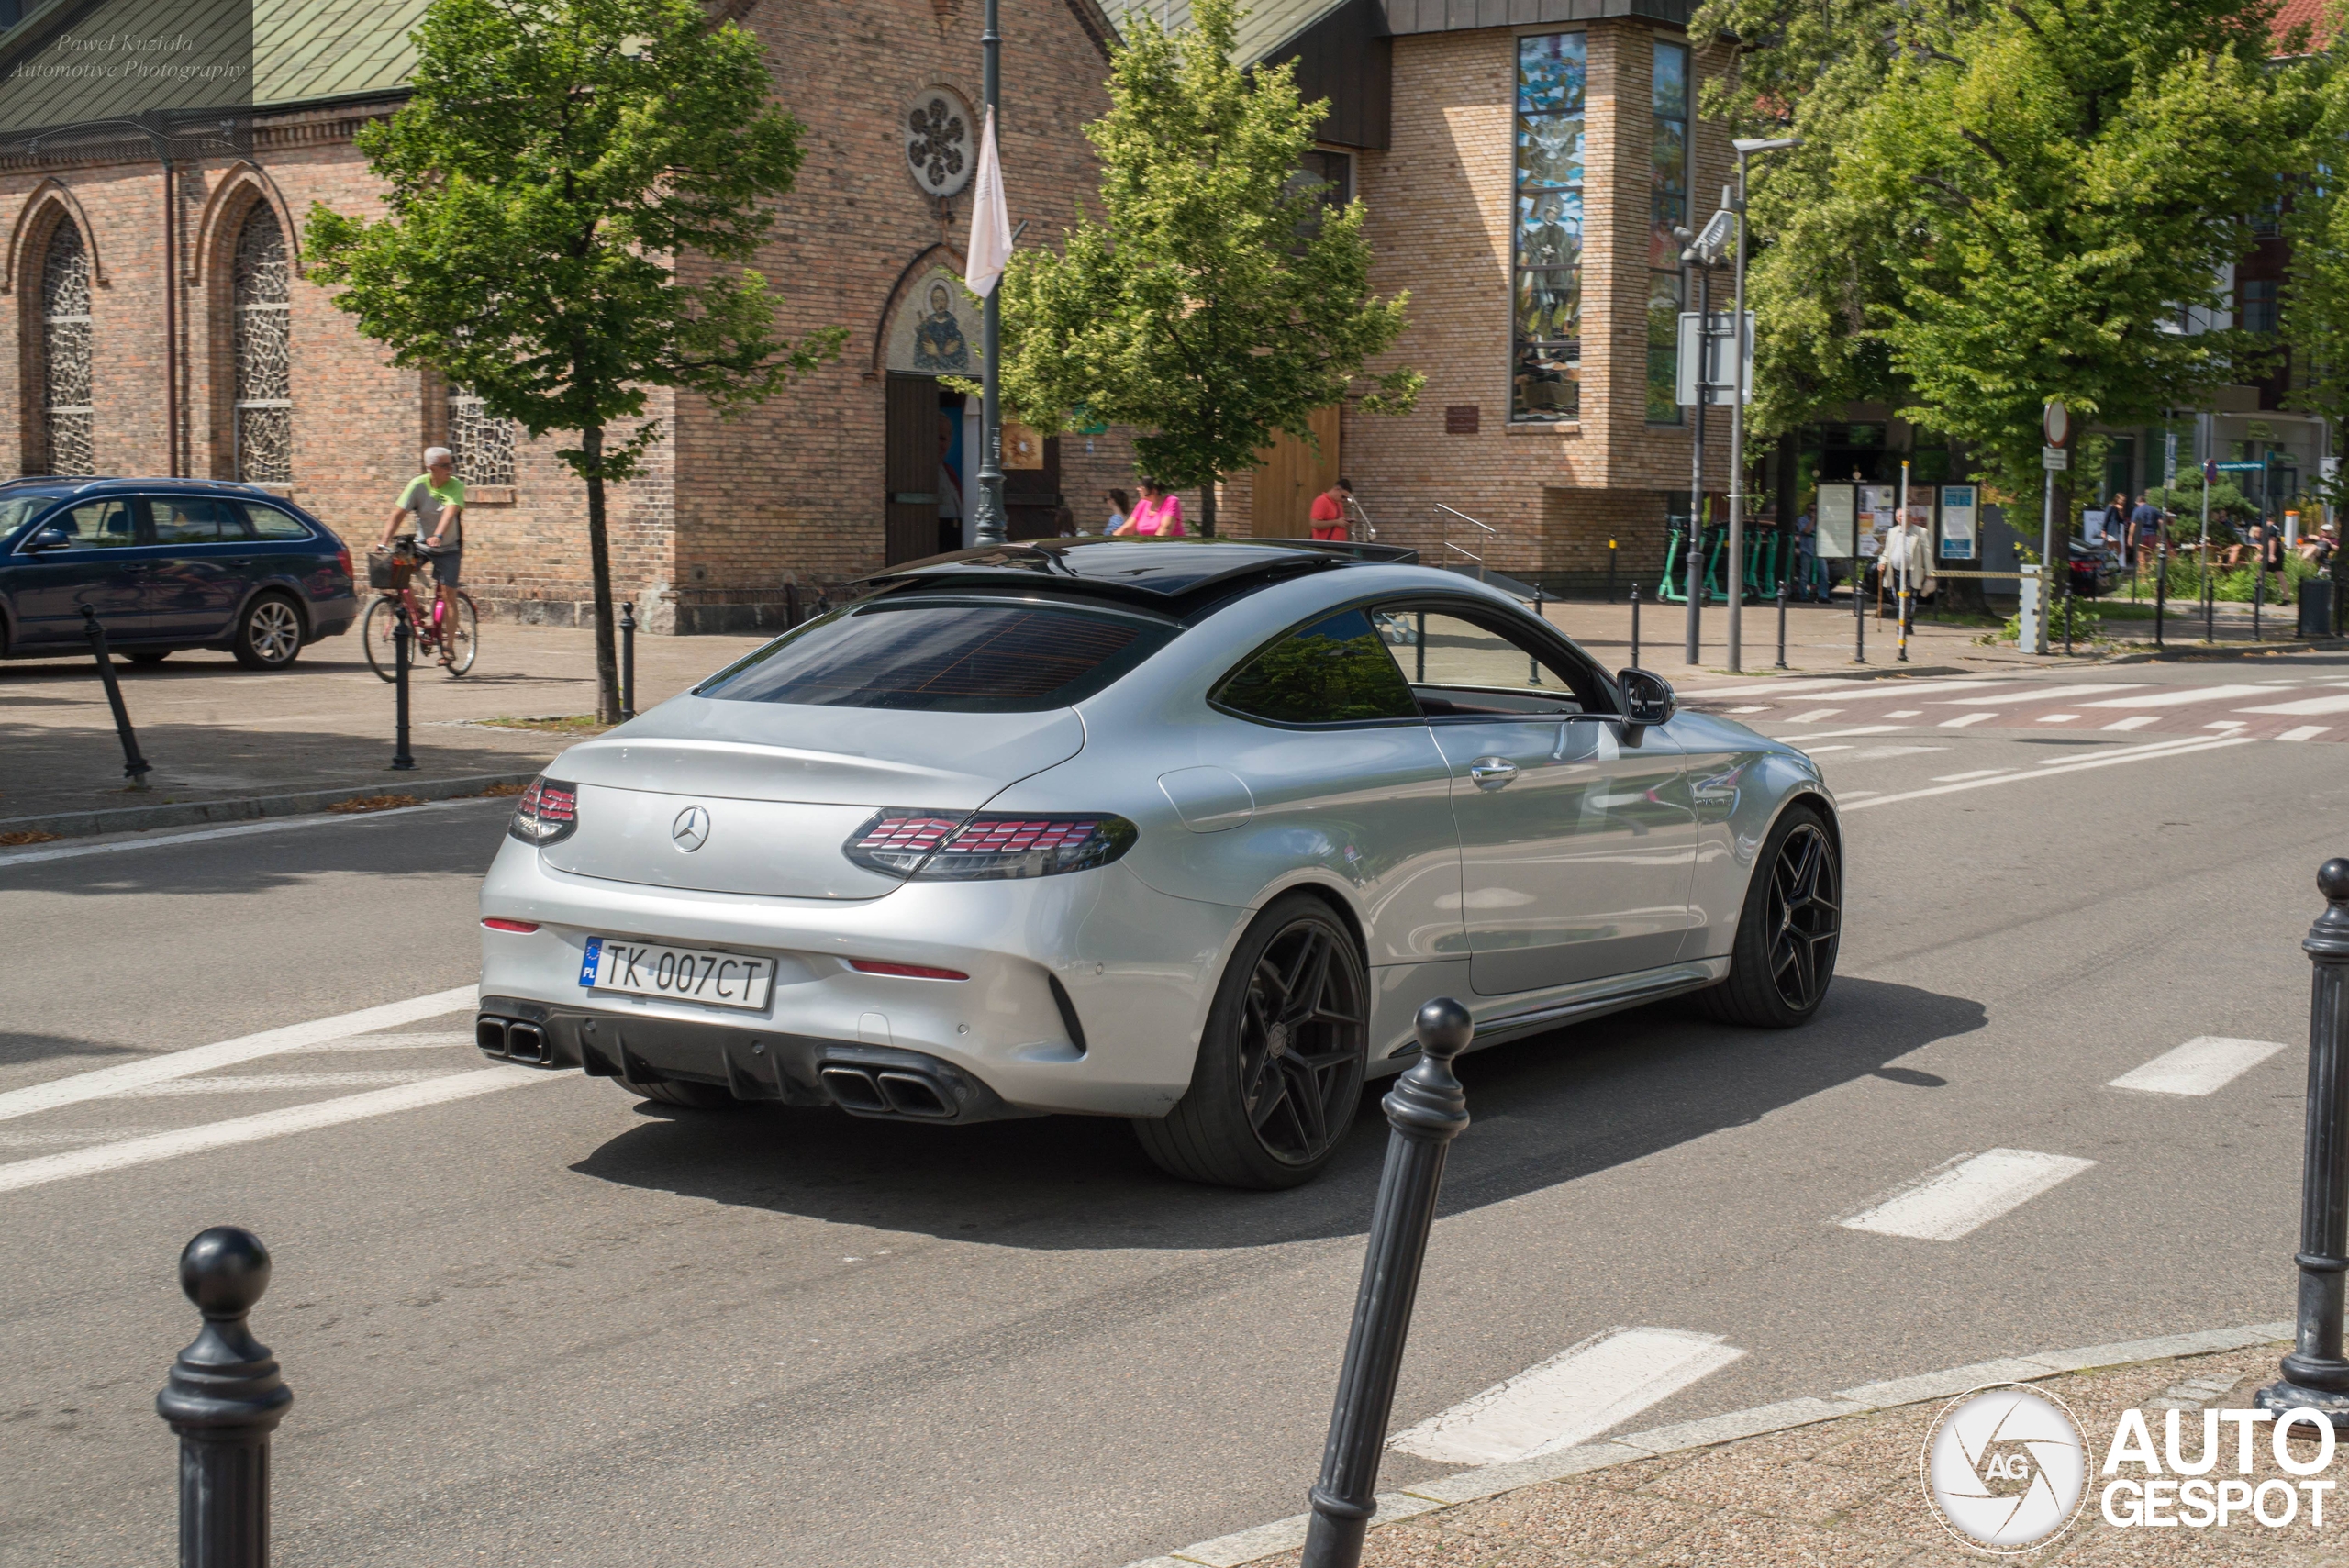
{"points": [[167, 563]]}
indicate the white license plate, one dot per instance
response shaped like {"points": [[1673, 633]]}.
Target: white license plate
{"points": [[685, 974]]}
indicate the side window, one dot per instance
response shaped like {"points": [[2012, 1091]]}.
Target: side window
{"points": [[1334, 671], [97, 524], [192, 519], [1461, 667], [270, 523]]}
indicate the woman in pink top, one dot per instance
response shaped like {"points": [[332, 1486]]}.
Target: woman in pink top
{"points": [[1157, 514]]}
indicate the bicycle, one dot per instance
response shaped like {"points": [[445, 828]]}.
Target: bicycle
{"points": [[392, 575]]}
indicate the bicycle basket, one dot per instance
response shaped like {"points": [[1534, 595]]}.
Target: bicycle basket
{"points": [[388, 571]]}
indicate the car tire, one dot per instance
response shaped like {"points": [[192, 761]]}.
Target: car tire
{"points": [[269, 633], [148, 655], [1263, 1112], [692, 1096], [1788, 931]]}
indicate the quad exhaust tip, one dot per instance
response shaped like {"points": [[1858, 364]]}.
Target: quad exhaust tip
{"points": [[887, 1092], [513, 1039]]}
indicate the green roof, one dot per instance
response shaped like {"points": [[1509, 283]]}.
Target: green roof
{"points": [[75, 62], [1263, 27]]}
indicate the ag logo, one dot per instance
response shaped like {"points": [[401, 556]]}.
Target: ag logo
{"points": [[2005, 1467]]}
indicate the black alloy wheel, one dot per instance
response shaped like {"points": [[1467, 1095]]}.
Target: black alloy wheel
{"points": [[1280, 1070], [1804, 916], [1789, 929]]}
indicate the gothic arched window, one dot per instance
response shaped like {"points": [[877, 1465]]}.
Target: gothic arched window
{"points": [[263, 287], [65, 352], [483, 444]]}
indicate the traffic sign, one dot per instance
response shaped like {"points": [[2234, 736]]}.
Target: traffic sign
{"points": [[2055, 458], [2057, 423], [2241, 467]]}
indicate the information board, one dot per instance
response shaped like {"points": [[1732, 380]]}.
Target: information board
{"points": [[1957, 522], [1838, 508]]}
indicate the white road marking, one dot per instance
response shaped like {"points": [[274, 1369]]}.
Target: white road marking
{"points": [[1964, 720], [1833, 734], [2228, 724], [262, 1083], [1856, 794], [1815, 716], [107, 1080], [2143, 749], [2203, 1065], [2057, 717], [2305, 732], [1977, 773], [275, 825], [1570, 1398], [1763, 707], [1843, 687], [1877, 753], [1822, 750], [67, 1136], [2213, 743], [1961, 1196], [2052, 694], [2305, 705], [18, 1174], [2139, 722], [431, 1039], [2181, 697], [1906, 713]]}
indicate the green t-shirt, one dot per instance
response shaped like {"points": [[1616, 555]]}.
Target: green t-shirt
{"points": [[427, 500]]}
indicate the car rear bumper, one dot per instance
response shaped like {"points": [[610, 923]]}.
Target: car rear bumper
{"points": [[1086, 993]]}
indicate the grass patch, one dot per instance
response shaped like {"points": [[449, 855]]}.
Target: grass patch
{"points": [[573, 724], [374, 803]]}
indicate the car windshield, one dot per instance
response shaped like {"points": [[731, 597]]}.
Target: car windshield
{"points": [[16, 509], [954, 657]]}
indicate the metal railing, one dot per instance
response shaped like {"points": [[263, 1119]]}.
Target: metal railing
{"points": [[1452, 512]]}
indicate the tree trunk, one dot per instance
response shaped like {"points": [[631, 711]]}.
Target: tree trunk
{"points": [[599, 557], [1206, 507]]}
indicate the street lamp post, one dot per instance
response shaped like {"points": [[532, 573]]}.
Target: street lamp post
{"points": [[988, 516], [1745, 147], [1703, 252]]}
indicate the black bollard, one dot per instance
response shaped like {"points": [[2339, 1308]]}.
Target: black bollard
{"points": [[628, 661], [224, 1397], [1426, 1111], [1635, 626], [403, 759], [2316, 1377], [2067, 621], [1782, 623], [1859, 617], [2258, 596], [2161, 592], [1610, 568], [1533, 664], [134, 767]]}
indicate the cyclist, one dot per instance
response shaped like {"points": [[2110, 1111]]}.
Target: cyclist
{"points": [[437, 498]]}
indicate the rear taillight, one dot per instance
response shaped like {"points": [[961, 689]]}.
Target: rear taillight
{"points": [[904, 971], [939, 846], [343, 559], [547, 812], [521, 927]]}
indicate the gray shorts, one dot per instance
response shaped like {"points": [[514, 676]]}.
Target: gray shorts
{"points": [[448, 565]]}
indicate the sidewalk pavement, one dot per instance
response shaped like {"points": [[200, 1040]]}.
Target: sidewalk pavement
{"points": [[228, 742], [1823, 1488]]}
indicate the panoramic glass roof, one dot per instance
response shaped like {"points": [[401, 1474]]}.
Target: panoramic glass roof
{"points": [[1166, 569]]}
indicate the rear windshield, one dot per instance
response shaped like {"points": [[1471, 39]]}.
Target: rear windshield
{"points": [[950, 658]]}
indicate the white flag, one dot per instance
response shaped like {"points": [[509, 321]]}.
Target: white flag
{"points": [[990, 220]]}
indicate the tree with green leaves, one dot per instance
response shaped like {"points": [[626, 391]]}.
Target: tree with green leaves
{"points": [[564, 189], [2316, 294], [1220, 297]]}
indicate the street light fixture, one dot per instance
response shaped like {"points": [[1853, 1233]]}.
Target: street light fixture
{"points": [[1745, 147]]}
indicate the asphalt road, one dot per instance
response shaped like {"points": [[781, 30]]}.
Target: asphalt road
{"points": [[544, 1324]]}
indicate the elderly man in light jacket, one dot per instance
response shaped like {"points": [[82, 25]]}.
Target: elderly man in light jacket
{"points": [[1909, 558]]}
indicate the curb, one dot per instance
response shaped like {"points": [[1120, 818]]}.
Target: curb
{"points": [[196, 813], [1469, 1486]]}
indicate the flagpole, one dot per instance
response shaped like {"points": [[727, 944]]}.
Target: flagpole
{"points": [[989, 516]]}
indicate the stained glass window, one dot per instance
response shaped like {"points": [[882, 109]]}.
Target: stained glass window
{"points": [[65, 352], [1547, 367], [484, 444], [1668, 209], [264, 370]]}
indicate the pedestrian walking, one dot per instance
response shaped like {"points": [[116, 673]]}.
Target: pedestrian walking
{"points": [[1809, 569], [1328, 519], [1119, 507], [1158, 514]]}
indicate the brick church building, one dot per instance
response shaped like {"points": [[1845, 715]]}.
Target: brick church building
{"points": [[1518, 159]]}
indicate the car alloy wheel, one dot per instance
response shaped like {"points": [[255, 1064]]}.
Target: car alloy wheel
{"points": [[1300, 1041], [1804, 918], [271, 634]]}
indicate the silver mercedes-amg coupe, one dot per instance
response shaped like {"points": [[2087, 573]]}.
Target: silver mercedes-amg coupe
{"points": [[1183, 832]]}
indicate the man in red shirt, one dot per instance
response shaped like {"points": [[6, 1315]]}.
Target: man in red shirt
{"points": [[1330, 511]]}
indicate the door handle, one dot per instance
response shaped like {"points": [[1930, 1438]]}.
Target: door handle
{"points": [[1491, 772]]}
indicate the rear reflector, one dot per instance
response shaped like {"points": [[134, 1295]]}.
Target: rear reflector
{"points": [[910, 971], [523, 927]]}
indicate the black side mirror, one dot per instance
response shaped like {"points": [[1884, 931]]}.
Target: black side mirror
{"points": [[48, 538], [1647, 698]]}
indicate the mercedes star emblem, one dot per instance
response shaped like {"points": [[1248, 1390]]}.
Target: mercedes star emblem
{"points": [[690, 831]]}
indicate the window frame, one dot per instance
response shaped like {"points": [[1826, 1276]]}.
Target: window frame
{"points": [[142, 533], [1215, 687], [228, 509], [1678, 288], [1497, 621], [254, 509], [1519, 273]]}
